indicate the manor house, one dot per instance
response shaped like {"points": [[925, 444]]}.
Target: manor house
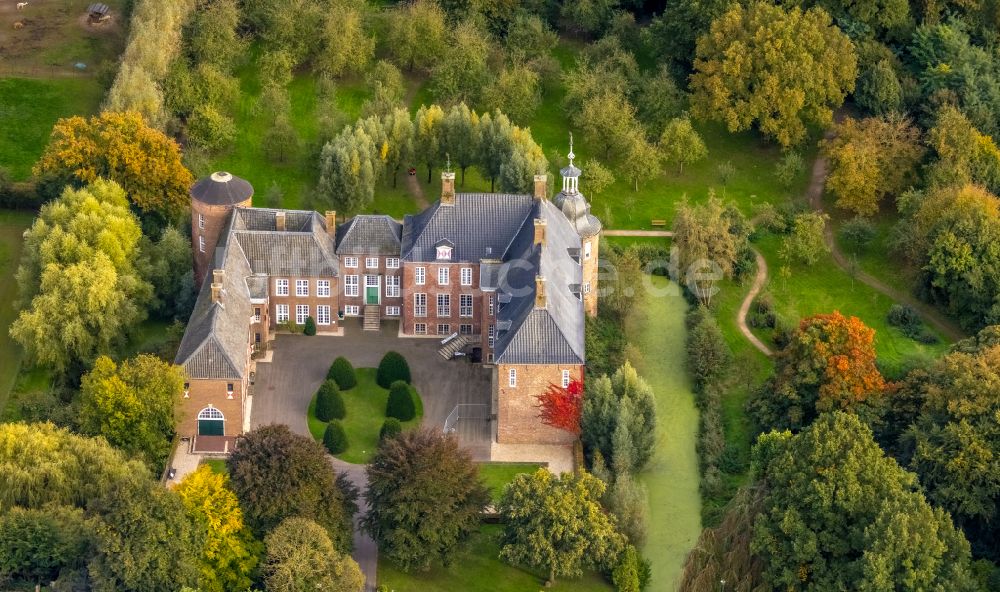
{"points": [[505, 279]]}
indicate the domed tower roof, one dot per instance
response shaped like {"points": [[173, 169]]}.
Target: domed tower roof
{"points": [[222, 189], [572, 203]]}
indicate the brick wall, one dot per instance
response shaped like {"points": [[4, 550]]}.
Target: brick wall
{"points": [[201, 393], [361, 271], [312, 300], [431, 287], [517, 407], [208, 222], [590, 274]]}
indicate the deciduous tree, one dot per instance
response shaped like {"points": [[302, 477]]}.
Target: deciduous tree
{"points": [[624, 400], [300, 556], [417, 33], [777, 68], [408, 478], [122, 148], [806, 242], [347, 47], [561, 407], [680, 144]]}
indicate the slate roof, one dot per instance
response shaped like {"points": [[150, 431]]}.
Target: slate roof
{"points": [[575, 208], [215, 342], [550, 335], [222, 189], [479, 225], [370, 235]]}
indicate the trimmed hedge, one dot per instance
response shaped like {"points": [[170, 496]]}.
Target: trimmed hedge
{"points": [[390, 429], [393, 367], [343, 372], [310, 328], [335, 438], [329, 402], [400, 404]]}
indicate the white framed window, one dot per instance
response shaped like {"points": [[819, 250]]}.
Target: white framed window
{"points": [[323, 288], [443, 276], [280, 287], [351, 285], [392, 286], [465, 329], [444, 305], [492, 303], [201, 221], [444, 253], [565, 378], [256, 314], [586, 250], [281, 313], [323, 314], [351, 262], [201, 243], [444, 329], [492, 335], [465, 305], [301, 313], [229, 388], [301, 287], [466, 276], [512, 377], [392, 262], [371, 262], [352, 310], [420, 328], [419, 275], [392, 311], [586, 287], [420, 305]]}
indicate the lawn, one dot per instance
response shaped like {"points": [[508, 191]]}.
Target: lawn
{"points": [[656, 328], [497, 475], [12, 225], [29, 108], [217, 465], [824, 287], [365, 404], [478, 568]]}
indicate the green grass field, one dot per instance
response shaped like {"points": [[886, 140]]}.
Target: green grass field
{"points": [[824, 287], [12, 226], [657, 330], [498, 475], [478, 568], [217, 465], [365, 405], [29, 108]]}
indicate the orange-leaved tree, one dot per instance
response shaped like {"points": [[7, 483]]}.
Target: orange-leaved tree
{"points": [[123, 148], [561, 407]]}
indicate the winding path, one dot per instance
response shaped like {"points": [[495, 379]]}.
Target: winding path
{"points": [[741, 316]]}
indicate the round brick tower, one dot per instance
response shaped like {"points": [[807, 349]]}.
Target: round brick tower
{"points": [[212, 199], [576, 209]]}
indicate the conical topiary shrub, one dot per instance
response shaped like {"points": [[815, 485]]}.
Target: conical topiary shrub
{"points": [[310, 327], [329, 402], [335, 438], [393, 367], [390, 429], [400, 404], [342, 371]]}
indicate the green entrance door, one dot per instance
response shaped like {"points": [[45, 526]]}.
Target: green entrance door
{"points": [[371, 294], [211, 422]]}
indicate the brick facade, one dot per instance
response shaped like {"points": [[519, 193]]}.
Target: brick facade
{"points": [[432, 288], [200, 394], [207, 224], [589, 263], [312, 301], [382, 273], [517, 407]]}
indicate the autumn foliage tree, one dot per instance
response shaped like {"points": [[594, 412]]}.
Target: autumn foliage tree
{"points": [[561, 407], [123, 148], [827, 365]]}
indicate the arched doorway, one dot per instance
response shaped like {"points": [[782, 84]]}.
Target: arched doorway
{"points": [[211, 422]]}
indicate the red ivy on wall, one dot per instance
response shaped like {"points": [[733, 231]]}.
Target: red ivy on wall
{"points": [[561, 407]]}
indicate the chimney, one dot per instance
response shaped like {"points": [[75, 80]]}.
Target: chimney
{"points": [[447, 189], [539, 292], [541, 187], [539, 232], [218, 276], [216, 292], [279, 221], [331, 224]]}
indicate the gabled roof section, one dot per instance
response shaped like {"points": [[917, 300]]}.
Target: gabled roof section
{"points": [[553, 334], [480, 225], [369, 235], [304, 248]]}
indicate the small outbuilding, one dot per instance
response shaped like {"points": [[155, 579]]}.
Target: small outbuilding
{"points": [[98, 12]]}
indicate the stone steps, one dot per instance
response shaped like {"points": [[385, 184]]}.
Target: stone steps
{"points": [[448, 351], [373, 319]]}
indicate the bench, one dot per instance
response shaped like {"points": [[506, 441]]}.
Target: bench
{"points": [[658, 223]]}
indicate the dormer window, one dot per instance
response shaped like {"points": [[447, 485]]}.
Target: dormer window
{"points": [[444, 253]]}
